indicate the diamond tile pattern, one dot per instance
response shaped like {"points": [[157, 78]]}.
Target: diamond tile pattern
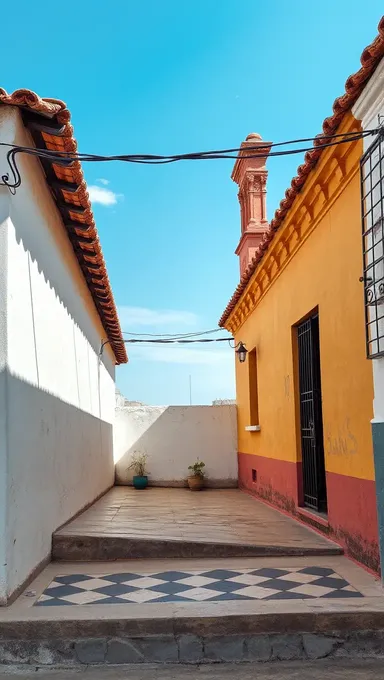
{"points": [[197, 586]]}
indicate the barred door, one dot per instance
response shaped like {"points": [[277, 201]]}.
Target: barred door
{"points": [[311, 419]]}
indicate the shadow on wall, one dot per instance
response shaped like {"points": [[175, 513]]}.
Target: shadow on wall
{"points": [[48, 254], [173, 437], [57, 397], [61, 460], [55, 261], [54, 331]]}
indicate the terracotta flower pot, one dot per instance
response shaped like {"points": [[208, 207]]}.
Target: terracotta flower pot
{"points": [[195, 482]]}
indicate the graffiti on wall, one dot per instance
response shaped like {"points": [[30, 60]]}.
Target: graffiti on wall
{"points": [[342, 443]]}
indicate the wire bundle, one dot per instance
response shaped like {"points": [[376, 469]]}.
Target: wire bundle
{"points": [[66, 158], [168, 339]]}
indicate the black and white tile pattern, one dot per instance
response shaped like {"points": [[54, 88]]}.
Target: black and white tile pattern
{"points": [[214, 585]]}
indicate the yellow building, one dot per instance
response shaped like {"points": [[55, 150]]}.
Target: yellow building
{"points": [[305, 390]]}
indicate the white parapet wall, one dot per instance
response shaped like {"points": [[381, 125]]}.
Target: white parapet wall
{"points": [[173, 437]]}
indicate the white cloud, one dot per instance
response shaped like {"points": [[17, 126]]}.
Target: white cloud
{"points": [[131, 317], [102, 196], [103, 181]]}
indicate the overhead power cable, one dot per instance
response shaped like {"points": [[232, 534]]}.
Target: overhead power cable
{"points": [[65, 158], [174, 335], [176, 340], [167, 341]]}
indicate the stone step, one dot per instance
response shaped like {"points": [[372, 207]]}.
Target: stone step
{"points": [[88, 548], [176, 523], [192, 640]]}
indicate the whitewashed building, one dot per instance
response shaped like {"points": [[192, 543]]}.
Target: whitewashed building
{"points": [[57, 396], [369, 109]]}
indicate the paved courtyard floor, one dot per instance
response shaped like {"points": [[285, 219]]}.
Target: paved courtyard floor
{"points": [[225, 516]]}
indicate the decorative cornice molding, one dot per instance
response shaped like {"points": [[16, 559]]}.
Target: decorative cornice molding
{"points": [[336, 169]]}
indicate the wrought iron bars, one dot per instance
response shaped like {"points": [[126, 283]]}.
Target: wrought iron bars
{"points": [[372, 210]]}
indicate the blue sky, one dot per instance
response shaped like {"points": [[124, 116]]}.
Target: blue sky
{"points": [[173, 76]]}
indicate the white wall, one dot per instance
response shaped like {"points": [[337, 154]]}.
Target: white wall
{"points": [[367, 109], [173, 437], [3, 401], [59, 398]]}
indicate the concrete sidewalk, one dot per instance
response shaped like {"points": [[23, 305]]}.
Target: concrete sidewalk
{"points": [[336, 670]]}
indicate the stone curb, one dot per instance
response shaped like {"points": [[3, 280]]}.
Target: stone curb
{"points": [[192, 649], [247, 625]]}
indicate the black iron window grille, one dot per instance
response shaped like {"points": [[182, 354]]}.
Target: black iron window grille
{"points": [[372, 202]]}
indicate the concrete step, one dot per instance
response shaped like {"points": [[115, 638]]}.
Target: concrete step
{"points": [[88, 548], [176, 523]]}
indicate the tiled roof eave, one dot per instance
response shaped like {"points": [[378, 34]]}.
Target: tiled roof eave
{"points": [[369, 59], [49, 123]]}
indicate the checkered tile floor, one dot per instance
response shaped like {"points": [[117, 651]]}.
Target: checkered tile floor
{"points": [[214, 585]]}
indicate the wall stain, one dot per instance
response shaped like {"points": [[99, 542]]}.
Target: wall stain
{"points": [[268, 493], [355, 545], [361, 550]]}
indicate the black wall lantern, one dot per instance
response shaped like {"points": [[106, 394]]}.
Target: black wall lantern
{"points": [[241, 352]]}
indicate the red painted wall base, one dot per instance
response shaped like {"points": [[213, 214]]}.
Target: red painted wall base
{"points": [[352, 513], [276, 480]]}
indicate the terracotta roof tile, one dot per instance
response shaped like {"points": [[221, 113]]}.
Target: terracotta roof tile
{"points": [[79, 220], [369, 59]]}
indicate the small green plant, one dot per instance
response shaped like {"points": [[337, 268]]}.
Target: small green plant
{"points": [[138, 463], [197, 468]]}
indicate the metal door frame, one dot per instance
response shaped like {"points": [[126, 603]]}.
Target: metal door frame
{"points": [[310, 410]]}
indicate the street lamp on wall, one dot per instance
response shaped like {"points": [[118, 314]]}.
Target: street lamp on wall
{"points": [[241, 352]]}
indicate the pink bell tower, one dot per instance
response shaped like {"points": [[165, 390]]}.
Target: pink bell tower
{"points": [[251, 176]]}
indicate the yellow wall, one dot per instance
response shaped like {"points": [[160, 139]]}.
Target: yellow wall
{"points": [[323, 272]]}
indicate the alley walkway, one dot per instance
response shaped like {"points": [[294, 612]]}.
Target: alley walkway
{"points": [[195, 611], [317, 670], [178, 523]]}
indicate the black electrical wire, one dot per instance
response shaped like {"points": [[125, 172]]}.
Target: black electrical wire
{"points": [[67, 158], [174, 335], [163, 341], [166, 341], [66, 155]]}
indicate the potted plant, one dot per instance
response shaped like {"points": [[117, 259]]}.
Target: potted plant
{"points": [[138, 464], [196, 478]]}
